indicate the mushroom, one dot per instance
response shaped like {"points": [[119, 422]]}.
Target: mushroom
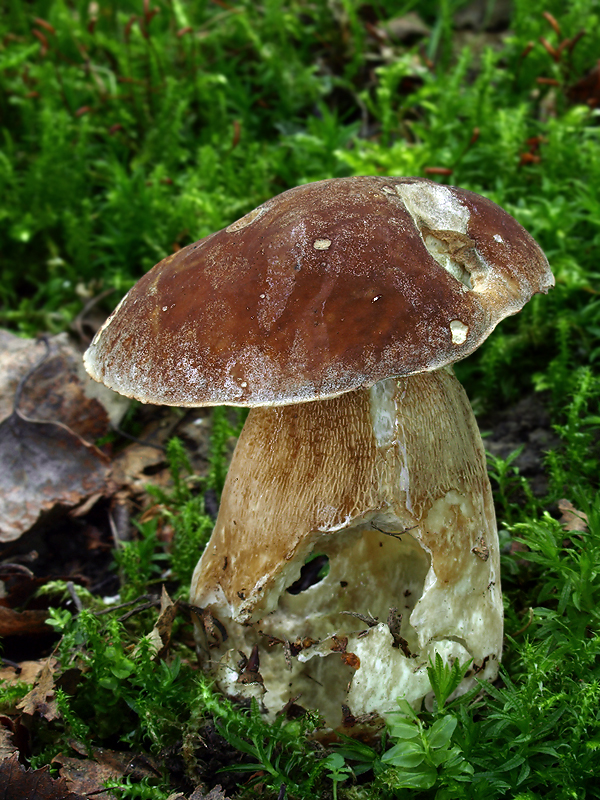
{"points": [[356, 537]]}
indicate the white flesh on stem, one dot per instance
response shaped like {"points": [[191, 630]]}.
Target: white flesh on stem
{"points": [[390, 484]]}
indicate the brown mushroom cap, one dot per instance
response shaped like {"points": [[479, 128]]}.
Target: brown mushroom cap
{"points": [[323, 289]]}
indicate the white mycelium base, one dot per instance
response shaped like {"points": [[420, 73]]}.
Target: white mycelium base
{"points": [[390, 485]]}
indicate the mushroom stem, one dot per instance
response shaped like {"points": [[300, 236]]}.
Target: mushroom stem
{"points": [[389, 485]]}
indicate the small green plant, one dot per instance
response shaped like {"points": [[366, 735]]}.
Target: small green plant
{"points": [[142, 790], [123, 690], [577, 463], [221, 435], [422, 754], [278, 752], [11, 693], [139, 561], [512, 492], [76, 726], [63, 591], [445, 678], [61, 619], [338, 771], [183, 508]]}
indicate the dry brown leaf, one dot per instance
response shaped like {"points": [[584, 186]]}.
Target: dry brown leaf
{"points": [[216, 793], [19, 783], [23, 623], [42, 465], [18, 583], [572, 519], [7, 744], [160, 635], [87, 775], [29, 671], [54, 392], [41, 699], [14, 735], [128, 467]]}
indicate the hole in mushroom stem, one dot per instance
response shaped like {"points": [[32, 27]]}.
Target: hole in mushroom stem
{"points": [[313, 571], [368, 573]]}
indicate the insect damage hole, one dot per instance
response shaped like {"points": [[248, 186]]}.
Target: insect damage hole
{"points": [[314, 570], [447, 248]]}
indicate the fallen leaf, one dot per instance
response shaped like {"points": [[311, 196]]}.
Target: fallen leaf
{"points": [[572, 519], [54, 392], [22, 623], [42, 465], [160, 635], [18, 583], [250, 672], [14, 735], [128, 467], [28, 672], [7, 744], [41, 699], [20, 783], [87, 775], [216, 793]]}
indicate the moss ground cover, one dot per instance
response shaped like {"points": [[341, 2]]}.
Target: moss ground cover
{"points": [[130, 129]]}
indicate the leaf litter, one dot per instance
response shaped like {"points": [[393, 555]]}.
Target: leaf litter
{"points": [[43, 465]]}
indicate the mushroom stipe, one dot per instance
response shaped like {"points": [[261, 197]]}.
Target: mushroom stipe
{"points": [[334, 311]]}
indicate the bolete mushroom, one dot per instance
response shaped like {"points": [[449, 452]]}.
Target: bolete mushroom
{"points": [[334, 311]]}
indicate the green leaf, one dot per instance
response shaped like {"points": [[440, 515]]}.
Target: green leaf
{"points": [[445, 678], [334, 762], [441, 732], [405, 754], [424, 778], [404, 729]]}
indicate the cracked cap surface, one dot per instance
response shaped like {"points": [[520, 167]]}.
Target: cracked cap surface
{"points": [[323, 289]]}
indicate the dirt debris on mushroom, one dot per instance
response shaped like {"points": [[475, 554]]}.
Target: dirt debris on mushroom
{"points": [[334, 311]]}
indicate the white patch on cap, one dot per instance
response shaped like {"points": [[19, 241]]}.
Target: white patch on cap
{"points": [[435, 205], [498, 238], [459, 331], [243, 222], [322, 244]]}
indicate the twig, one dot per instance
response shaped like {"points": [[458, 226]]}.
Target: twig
{"points": [[118, 430], [77, 323], [527, 624], [143, 607], [123, 605], [367, 618], [17, 667], [74, 597]]}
